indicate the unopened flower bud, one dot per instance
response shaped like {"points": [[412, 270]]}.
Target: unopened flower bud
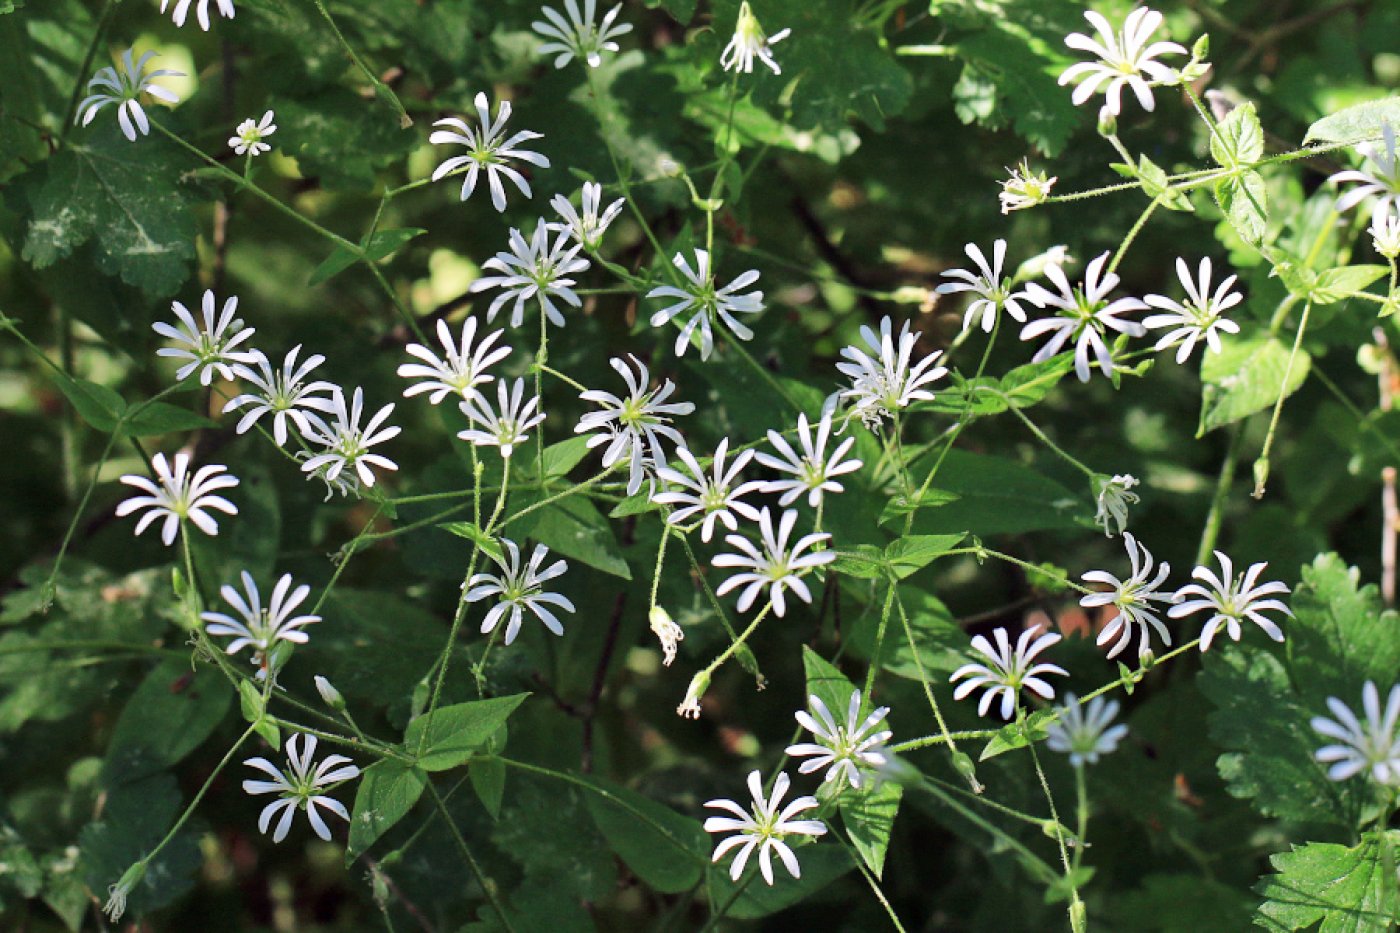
{"points": [[1108, 123], [329, 694], [1201, 49]]}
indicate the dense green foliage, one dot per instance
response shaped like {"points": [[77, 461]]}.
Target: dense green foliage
{"points": [[549, 784]]}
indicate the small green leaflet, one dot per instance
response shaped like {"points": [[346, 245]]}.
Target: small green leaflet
{"points": [[387, 790], [1356, 123], [380, 245], [450, 735]]}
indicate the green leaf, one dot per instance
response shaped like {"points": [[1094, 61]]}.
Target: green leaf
{"points": [[575, 528], [1238, 139], [666, 850], [161, 418], [1356, 123], [1268, 740], [1010, 73], [826, 683], [941, 644], [489, 781], [1022, 387], [899, 506], [387, 790], [98, 405], [869, 817], [1246, 377], [124, 197], [912, 553], [563, 456], [1244, 199], [168, 716], [1181, 903], [250, 704], [1341, 635], [450, 735], [864, 561], [996, 496], [1155, 184], [1349, 889], [1018, 735], [1336, 284], [383, 243], [471, 532]]}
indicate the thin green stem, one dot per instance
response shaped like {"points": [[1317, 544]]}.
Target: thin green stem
{"points": [[381, 90], [487, 886]]}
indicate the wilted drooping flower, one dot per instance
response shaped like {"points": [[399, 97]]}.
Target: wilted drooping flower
{"points": [[1009, 670], [1125, 59], [519, 588], [1112, 497], [710, 495], [1083, 731], [777, 567], [749, 42], [505, 427], [208, 349], [488, 150], [845, 750], [301, 787], [125, 88], [346, 447], [534, 268], [1230, 599], [249, 135], [632, 428], [1024, 188], [1196, 318], [461, 368], [708, 303], [179, 495], [1385, 233], [182, 9], [1370, 744], [1133, 598], [586, 224], [261, 627], [1382, 182], [813, 472], [667, 632], [1083, 315], [283, 393], [580, 35], [763, 827], [886, 383], [994, 293]]}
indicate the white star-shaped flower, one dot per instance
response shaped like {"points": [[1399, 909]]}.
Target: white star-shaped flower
{"points": [[1230, 599], [208, 349], [749, 42], [707, 302], [1084, 732], [488, 150], [1199, 316], [508, 425], [125, 88], [261, 627], [813, 471], [179, 495], [249, 136], [1125, 59], [886, 383], [346, 446], [586, 224], [534, 268], [993, 292], [580, 35], [301, 787], [1382, 182], [762, 827], [461, 368], [182, 9], [777, 567], [633, 428], [1134, 598], [709, 494], [844, 750], [1083, 315], [283, 393], [1370, 744], [1009, 671], [519, 588]]}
